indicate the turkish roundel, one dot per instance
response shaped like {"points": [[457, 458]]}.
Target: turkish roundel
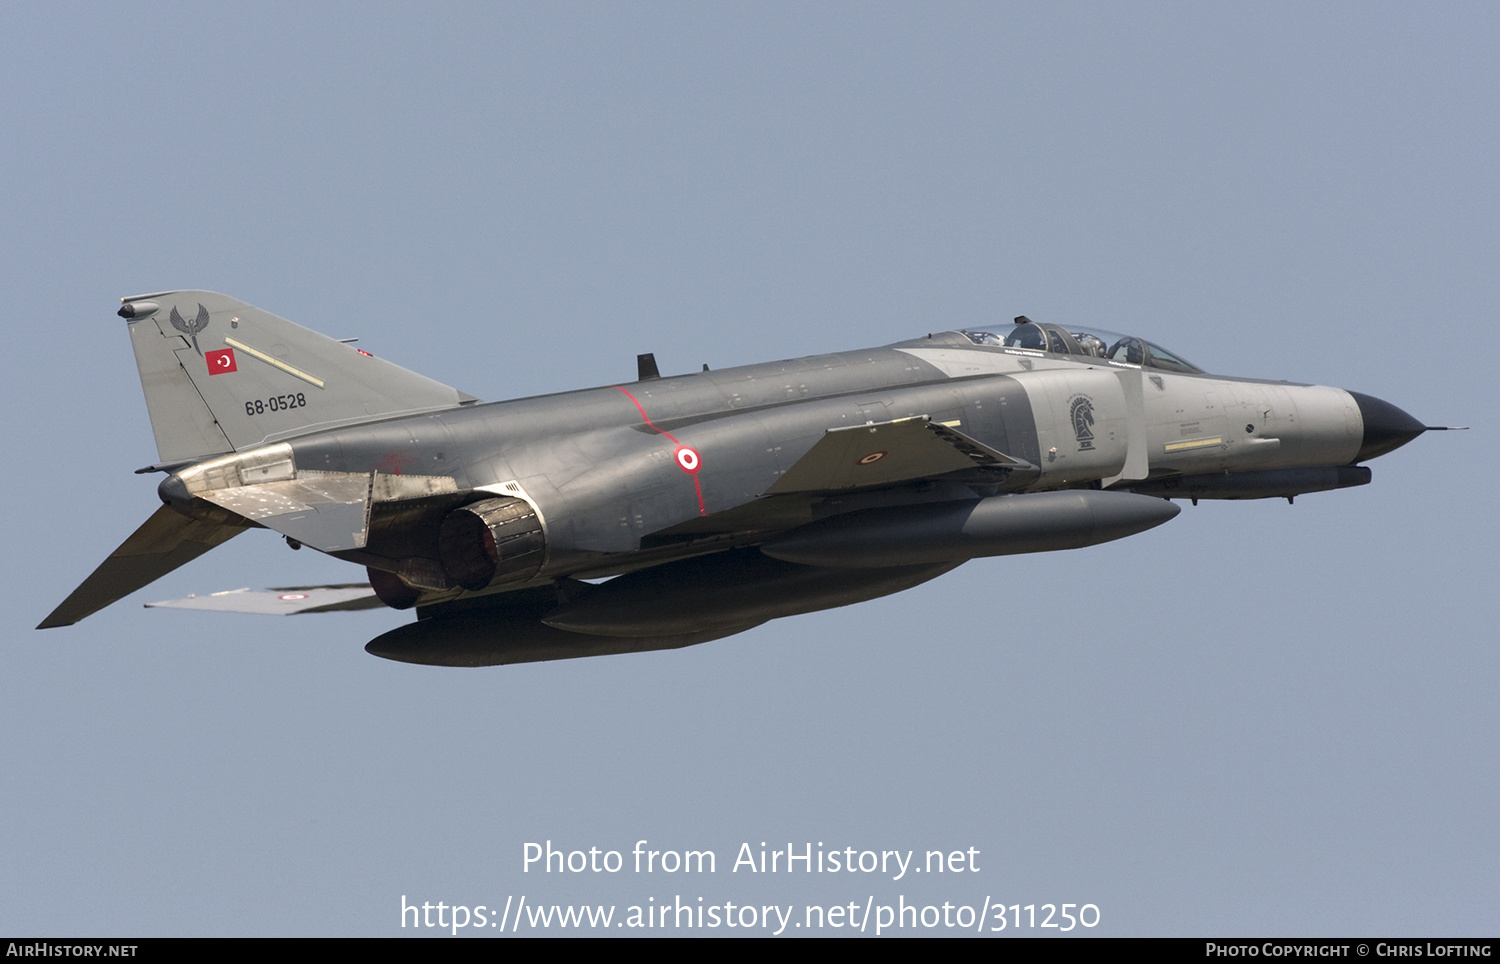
{"points": [[220, 361]]}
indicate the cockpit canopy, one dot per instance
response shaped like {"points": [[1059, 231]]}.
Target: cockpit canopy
{"points": [[1027, 336]]}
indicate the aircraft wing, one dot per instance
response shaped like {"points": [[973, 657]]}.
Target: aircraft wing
{"points": [[164, 542], [885, 453], [283, 601]]}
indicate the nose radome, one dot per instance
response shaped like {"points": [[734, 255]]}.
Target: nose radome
{"points": [[1387, 427]]}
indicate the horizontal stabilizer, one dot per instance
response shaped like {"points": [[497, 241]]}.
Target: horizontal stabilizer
{"points": [[166, 540], [285, 601], [885, 453]]}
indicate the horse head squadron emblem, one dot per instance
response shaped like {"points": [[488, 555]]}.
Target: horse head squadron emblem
{"points": [[1081, 409], [191, 328]]}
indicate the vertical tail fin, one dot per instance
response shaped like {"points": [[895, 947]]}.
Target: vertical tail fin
{"points": [[220, 376]]}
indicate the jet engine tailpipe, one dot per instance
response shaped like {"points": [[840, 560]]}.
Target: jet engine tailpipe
{"points": [[497, 540]]}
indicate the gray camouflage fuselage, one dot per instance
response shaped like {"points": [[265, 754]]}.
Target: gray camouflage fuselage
{"points": [[600, 467]]}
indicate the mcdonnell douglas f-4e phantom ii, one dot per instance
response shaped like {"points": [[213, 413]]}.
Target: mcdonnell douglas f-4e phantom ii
{"points": [[716, 500]]}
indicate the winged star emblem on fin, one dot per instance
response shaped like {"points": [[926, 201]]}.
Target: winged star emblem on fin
{"points": [[191, 328]]}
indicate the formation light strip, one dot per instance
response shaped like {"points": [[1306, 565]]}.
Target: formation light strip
{"points": [[275, 362], [1196, 443]]}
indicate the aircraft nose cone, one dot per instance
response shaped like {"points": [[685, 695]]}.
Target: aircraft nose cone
{"points": [[1387, 427]]}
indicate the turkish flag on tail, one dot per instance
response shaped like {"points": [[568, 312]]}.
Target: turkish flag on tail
{"points": [[220, 361]]}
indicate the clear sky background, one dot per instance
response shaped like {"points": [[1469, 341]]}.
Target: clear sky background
{"points": [[1258, 719]]}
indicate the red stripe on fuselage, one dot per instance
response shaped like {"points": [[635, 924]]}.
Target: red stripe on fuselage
{"points": [[698, 489]]}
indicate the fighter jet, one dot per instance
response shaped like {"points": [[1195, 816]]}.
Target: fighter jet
{"points": [[668, 511]]}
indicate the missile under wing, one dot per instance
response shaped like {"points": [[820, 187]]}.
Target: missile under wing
{"points": [[668, 511]]}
